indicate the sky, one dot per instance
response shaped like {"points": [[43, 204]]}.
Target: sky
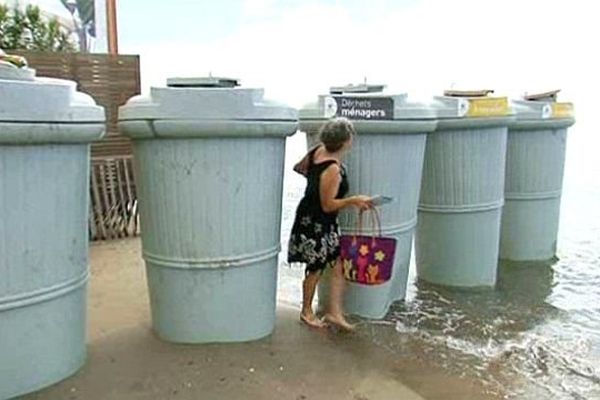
{"points": [[298, 49]]}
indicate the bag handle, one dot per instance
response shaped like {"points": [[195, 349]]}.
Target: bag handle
{"points": [[375, 223]]}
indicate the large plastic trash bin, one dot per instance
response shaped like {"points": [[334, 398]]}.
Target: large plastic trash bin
{"points": [[45, 130], [462, 192], [535, 163], [386, 159], [209, 160]]}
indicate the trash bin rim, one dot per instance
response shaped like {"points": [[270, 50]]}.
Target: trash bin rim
{"points": [[366, 127], [204, 128], [531, 124], [445, 124], [27, 133]]}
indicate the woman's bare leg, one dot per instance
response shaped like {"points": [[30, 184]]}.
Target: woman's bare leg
{"points": [[309, 286], [335, 315]]}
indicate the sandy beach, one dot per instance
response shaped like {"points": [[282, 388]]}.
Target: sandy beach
{"points": [[127, 361]]}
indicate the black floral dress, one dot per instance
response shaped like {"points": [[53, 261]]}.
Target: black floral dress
{"points": [[315, 237]]}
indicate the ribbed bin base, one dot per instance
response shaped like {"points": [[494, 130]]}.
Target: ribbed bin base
{"points": [[458, 249], [42, 343], [208, 305], [529, 229]]}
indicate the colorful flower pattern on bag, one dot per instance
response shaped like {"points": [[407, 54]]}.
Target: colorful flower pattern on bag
{"points": [[366, 259]]}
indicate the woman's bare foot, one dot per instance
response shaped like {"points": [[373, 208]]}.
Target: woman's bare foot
{"points": [[311, 320], [340, 322]]}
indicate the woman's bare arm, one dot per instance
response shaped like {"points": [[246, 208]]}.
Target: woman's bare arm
{"points": [[328, 188]]}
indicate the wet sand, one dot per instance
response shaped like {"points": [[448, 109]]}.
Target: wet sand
{"points": [[126, 361]]}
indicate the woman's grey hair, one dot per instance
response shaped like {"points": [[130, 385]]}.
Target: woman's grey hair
{"points": [[335, 133]]}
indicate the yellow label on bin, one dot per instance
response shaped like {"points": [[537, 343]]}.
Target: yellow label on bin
{"points": [[488, 107], [563, 110]]}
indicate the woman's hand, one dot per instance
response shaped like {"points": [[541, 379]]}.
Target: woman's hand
{"points": [[362, 202]]}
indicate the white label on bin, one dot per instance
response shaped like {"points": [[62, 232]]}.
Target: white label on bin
{"points": [[463, 107], [546, 111], [330, 106], [365, 108]]}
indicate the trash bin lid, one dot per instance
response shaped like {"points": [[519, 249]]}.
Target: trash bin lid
{"points": [[458, 104], [542, 111], [203, 82], [205, 98], [27, 98], [542, 106], [366, 103]]}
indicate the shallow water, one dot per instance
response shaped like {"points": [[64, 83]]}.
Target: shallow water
{"points": [[537, 335]]}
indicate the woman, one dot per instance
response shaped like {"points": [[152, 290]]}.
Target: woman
{"points": [[314, 240]]}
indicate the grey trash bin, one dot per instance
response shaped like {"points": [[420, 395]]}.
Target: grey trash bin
{"points": [[46, 127], [209, 162], [386, 159], [462, 192], [534, 173]]}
